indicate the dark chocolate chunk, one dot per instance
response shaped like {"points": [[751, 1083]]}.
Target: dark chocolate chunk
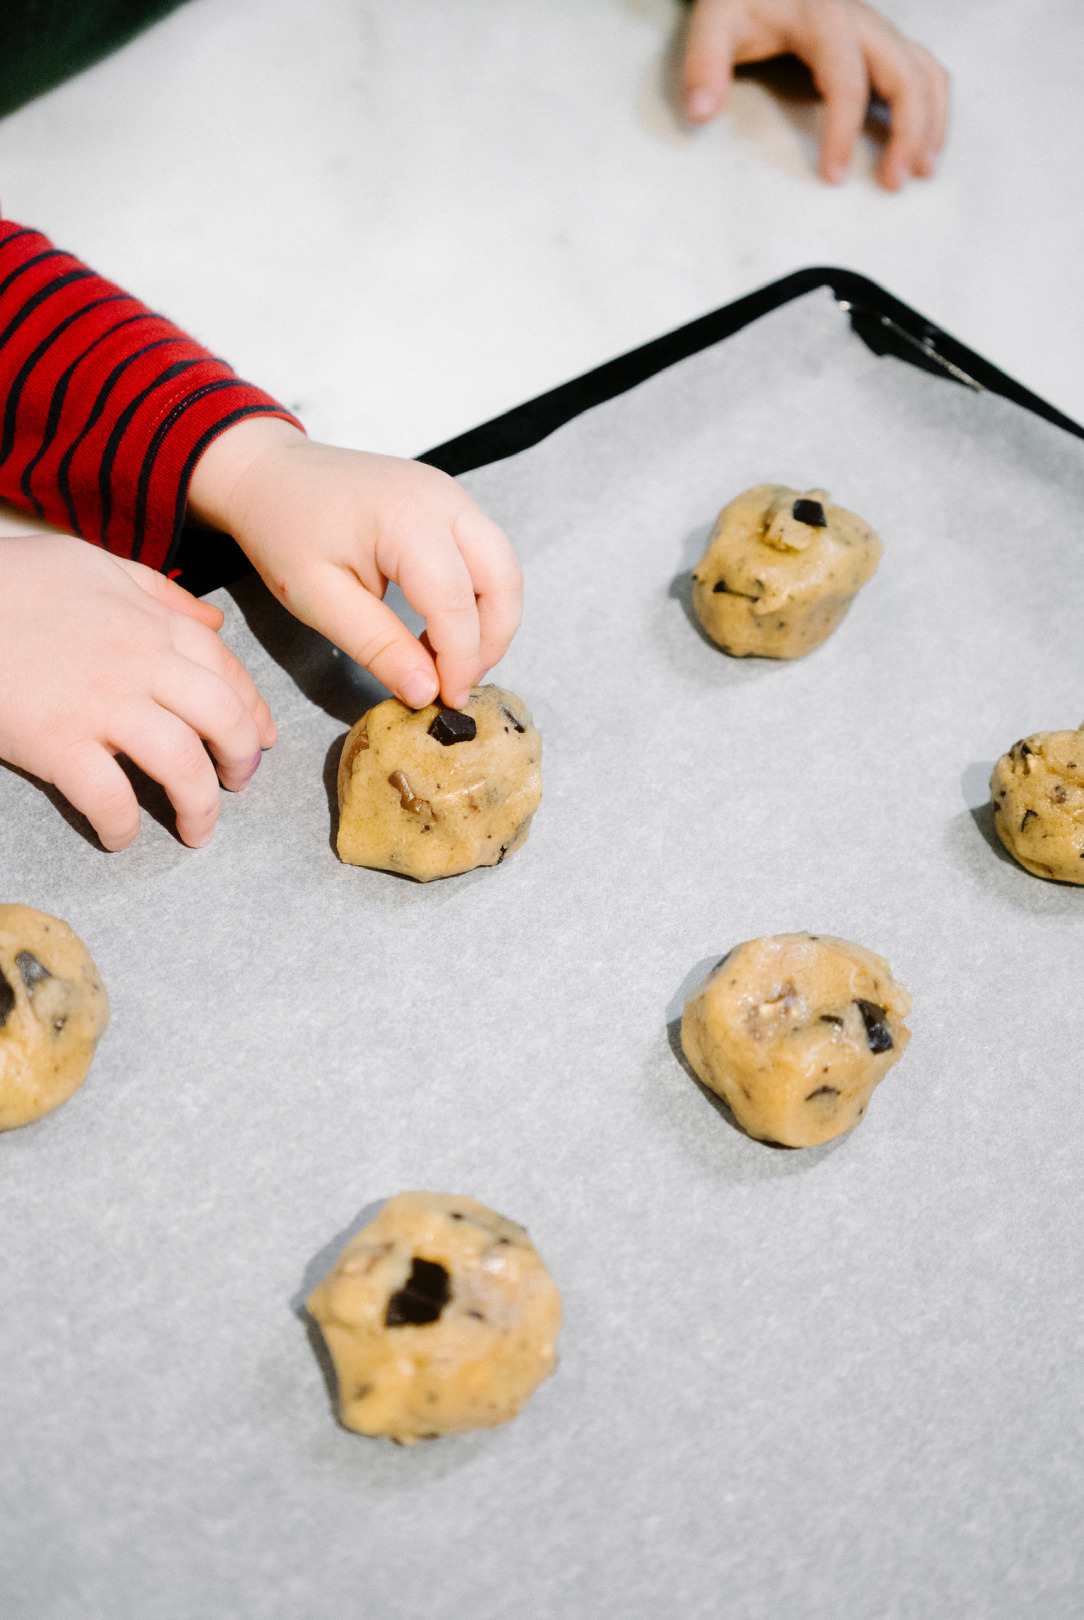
{"points": [[721, 586], [453, 726], [423, 1296], [878, 1034], [811, 512], [823, 1091], [830, 1018], [1032, 815], [32, 971], [508, 715], [7, 1000]]}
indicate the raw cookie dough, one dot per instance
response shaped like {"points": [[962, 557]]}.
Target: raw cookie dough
{"points": [[53, 1008], [780, 571], [794, 1032], [439, 1316], [432, 792], [1037, 791]]}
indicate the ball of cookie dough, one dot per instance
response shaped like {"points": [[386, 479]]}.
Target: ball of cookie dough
{"points": [[433, 792], [1037, 791], [794, 1032], [780, 571], [53, 1008], [440, 1317]]}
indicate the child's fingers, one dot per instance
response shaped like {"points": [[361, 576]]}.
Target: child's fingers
{"points": [[436, 582], [172, 595], [171, 753], [215, 712], [90, 779], [937, 115], [839, 72], [194, 641], [371, 634], [903, 85], [710, 50], [497, 580]]}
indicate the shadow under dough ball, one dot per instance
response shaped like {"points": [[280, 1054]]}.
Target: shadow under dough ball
{"points": [[53, 1009], [433, 792], [794, 1032], [1037, 791], [440, 1317], [780, 571]]}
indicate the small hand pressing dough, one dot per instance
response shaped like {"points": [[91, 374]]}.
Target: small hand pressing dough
{"points": [[1037, 791], [440, 1317], [433, 792], [53, 1009], [794, 1032], [780, 571]]}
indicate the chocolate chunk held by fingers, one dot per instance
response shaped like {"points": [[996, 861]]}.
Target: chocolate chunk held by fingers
{"points": [[440, 1317], [433, 792], [53, 1009], [794, 1032], [780, 571]]}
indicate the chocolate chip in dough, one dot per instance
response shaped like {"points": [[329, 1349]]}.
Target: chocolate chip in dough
{"points": [[878, 1034], [453, 726], [31, 971], [423, 1296], [7, 1000], [508, 715], [809, 512]]}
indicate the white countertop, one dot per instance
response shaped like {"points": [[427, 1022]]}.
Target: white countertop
{"points": [[403, 217]]}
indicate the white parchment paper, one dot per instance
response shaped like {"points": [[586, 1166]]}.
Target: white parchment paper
{"points": [[843, 1382]]}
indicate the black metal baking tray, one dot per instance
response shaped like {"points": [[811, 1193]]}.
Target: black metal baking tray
{"points": [[206, 560]]}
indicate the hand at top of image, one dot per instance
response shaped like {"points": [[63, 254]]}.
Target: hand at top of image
{"points": [[851, 51], [328, 528]]}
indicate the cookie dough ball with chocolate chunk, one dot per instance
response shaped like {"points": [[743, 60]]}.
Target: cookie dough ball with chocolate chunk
{"points": [[440, 1317], [780, 571], [53, 1008], [794, 1032], [432, 792], [1037, 791]]}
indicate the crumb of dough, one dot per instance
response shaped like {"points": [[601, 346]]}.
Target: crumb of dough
{"points": [[440, 1317], [1037, 792], [780, 570], [53, 1009], [433, 792], [794, 1032]]}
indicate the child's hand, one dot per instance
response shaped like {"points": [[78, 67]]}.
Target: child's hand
{"points": [[850, 49], [328, 528], [100, 656]]}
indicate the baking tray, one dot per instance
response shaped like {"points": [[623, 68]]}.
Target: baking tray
{"points": [[845, 1381]]}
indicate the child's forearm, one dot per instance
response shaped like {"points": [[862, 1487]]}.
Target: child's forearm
{"points": [[108, 407]]}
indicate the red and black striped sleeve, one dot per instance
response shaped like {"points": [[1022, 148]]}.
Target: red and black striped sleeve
{"points": [[106, 407]]}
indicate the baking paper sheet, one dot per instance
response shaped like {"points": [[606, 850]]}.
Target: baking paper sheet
{"points": [[843, 1382]]}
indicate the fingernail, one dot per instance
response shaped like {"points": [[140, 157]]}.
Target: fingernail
{"points": [[418, 690], [835, 173], [256, 763], [461, 699], [700, 105]]}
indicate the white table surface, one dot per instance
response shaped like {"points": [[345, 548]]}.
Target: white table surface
{"points": [[404, 216]]}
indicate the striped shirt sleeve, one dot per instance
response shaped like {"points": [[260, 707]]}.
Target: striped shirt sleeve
{"points": [[106, 407]]}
